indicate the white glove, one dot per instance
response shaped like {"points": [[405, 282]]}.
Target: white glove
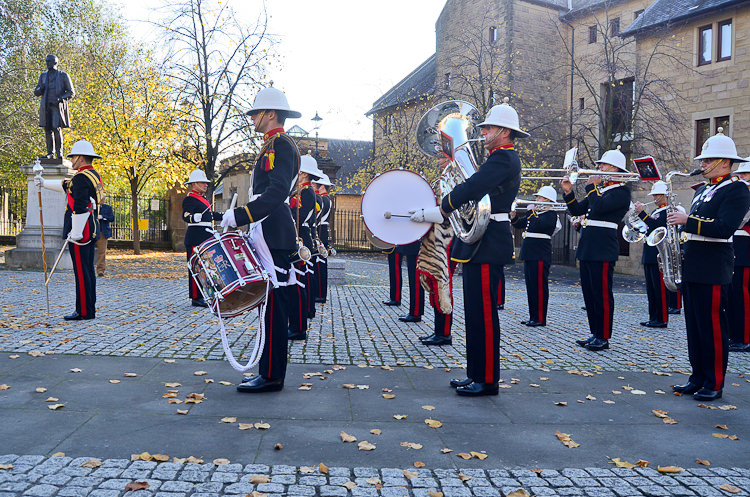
{"points": [[78, 222], [39, 181], [428, 215], [197, 218], [50, 184], [227, 220]]}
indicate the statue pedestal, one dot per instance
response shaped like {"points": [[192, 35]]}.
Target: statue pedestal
{"points": [[28, 251]]}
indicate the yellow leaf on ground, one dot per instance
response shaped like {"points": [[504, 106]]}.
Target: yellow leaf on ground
{"points": [[428, 408], [518, 493], [200, 373], [256, 479], [703, 462], [479, 455], [622, 464], [92, 463], [218, 462], [464, 477], [729, 488], [6, 466], [350, 485], [590, 397], [306, 470], [173, 384], [229, 419], [346, 438], [566, 440], [40, 390], [659, 413], [76, 370], [376, 431], [669, 469], [194, 459], [262, 426], [349, 386], [114, 381], [323, 469], [55, 407], [225, 383], [130, 375], [433, 423], [373, 481], [722, 427], [58, 454], [365, 445], [255, 493], [562, 404], [245, 426], [411, 445], [435, 494], [14, 356], [464, 455], [399, 416], [419, 464], [161, 457], [182, 411], [389, 396], [446, 450], [409, 474], [642, 464], [720, 435]]}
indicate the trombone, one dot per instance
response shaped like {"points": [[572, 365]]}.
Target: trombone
{"points": [[540, 206], [574, 174]]}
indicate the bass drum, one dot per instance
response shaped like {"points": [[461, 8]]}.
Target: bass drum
{"points": [[386, 204]]}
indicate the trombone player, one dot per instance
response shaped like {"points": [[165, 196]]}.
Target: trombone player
{"points": [[500, 178], [604, 205]]}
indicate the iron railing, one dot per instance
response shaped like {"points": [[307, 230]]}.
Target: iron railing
{"points": [[151, 209], [12, 210]]}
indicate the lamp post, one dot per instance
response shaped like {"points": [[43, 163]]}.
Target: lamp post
{"points": [[316, 120]]}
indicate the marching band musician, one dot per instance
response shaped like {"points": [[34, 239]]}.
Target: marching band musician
{"points": [[416, 294], [197, 212], [739, 300], [500, 177], [274, 177], [311, 221], [322, 185], [536, 253], [303, 209], [605, 204], [394, 276], [80, 224], [656, 292], [716, 213]]}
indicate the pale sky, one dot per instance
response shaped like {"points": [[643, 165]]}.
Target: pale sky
{"points": [[338, 56]]}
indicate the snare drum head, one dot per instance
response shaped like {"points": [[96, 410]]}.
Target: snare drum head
{"points": [[395, 193]]}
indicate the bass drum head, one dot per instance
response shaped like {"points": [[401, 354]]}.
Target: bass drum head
{"points": [[394, 193]]}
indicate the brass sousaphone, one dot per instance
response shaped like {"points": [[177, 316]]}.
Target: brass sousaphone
{"points": [[447, 131]]}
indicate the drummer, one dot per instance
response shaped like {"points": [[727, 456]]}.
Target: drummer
{"points": [[197, 212]]}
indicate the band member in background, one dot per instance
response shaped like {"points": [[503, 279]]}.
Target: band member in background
{"points": [[323, 222], [80, 223], [739, 300], [536, 253], [656, 292], [303, 209], [500, 177], [717, 211], [311, 222], [197, 212], [674, 302], [605, 204], [273, 178], [394, 276], [416, 295], [501, 291]]}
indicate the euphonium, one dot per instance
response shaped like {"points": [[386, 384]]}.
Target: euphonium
{"points": [[635, 229], [447, 130], [667, 241]]}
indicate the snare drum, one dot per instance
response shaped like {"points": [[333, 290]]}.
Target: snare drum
{"points": [[228, 274]]}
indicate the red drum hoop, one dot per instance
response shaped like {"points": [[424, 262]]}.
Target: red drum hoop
{"points": [[228, 274], [387, 201]]}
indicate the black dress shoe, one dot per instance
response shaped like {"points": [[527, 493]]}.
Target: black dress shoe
{"points": [[456, 382], [654, 324], [392, 302], [533, 323], [296, 335], [478, 389], [673, 310], [598, 344], [647, 323], [686, 389], [320, 301], [583, 343], [707, 394], [310, 315], [739, 347], [500, 307], [410, 319], [199, 303], [437, 340], [77, 317], [260, 384]]}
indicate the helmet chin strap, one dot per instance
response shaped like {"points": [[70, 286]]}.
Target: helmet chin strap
{"points": [[713, 166], [490, 140], [260, 120]]}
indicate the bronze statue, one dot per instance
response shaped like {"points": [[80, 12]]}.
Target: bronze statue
{"points": [[55, 88]]}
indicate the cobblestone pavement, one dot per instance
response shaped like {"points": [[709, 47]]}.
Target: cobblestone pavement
{"points": [[144, 313]]}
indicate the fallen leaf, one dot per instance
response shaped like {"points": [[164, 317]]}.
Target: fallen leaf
{"points": [[373, 481], [58, 454], [226, 383], [376, 431], [399, 416], [55, 407], [433, 423], [245, 426], [306, 470], [363, 387], [36, 353], [40, 390], [464, 455], [305, 387], [173, 384], [728, 407], [218, 462], [622, 464], [349, 386], [722, 427], [255, 493], [346, 438], [130, 375], [92, 463], [566, 440], [660, 414], [76, 370], [435, 494], [464, 477], [411, 445], [638, 392], [703, 462], [669, 421], [350, 485], [169, 361], [428, 408], [562, 404], [14, 356], [642, 464], [365, 445], [262, 426], [590, 397], [419, 464], [182, 411], [194, 459], [729, 488], [6, 466], [518, 493], [278, 446], [720, 435], [445, 450], [660, 392], [323, 469], [200, 373], [229, 420], [136, 485], [161, 457], [608, 401], [256, 479], [4, 387], [389, 396], [669, 469], [410, 474], [52, 399], [479, 455], [114, 381]]}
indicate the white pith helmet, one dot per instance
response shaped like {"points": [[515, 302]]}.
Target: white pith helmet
{"points": [[272, 99], [547, 192], [324, 180], [720, 146], [309, 165], [744, 167], [615, 158], [505, 116], [659, 188], [83, 147], [197, 176]]}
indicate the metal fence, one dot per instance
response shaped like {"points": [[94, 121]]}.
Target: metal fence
{"points": [[152, 214], [12, 210]]}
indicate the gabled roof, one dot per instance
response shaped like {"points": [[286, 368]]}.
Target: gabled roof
{"points": [[420, 82], [666, 11], [583, 7], [351, 155]]}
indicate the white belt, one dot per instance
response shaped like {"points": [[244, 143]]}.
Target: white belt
{"points": [[531, 234], [700, 238], [598, 224], [202, 223], [741, 233], [500, 216]]}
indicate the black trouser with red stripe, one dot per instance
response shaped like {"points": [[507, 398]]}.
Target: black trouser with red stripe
{"points": [[596, 284], [82, 257], [481, 283], [272, 363], [674, 299], [193, 290], [443, 324], [707, 332], [501, 288], [416, 293], [739, 305], [321, 270], [656, 293], [537, 289], [394, 275], [297, 302], [312, 290]]}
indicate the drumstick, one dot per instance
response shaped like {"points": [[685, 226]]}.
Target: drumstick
{"points": [[388, 215], [231, 206]]}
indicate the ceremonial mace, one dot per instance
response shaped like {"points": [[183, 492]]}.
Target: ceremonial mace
{"points": [[38, 170]]}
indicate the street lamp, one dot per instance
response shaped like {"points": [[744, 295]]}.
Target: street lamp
{"points": [[316, 120]]}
